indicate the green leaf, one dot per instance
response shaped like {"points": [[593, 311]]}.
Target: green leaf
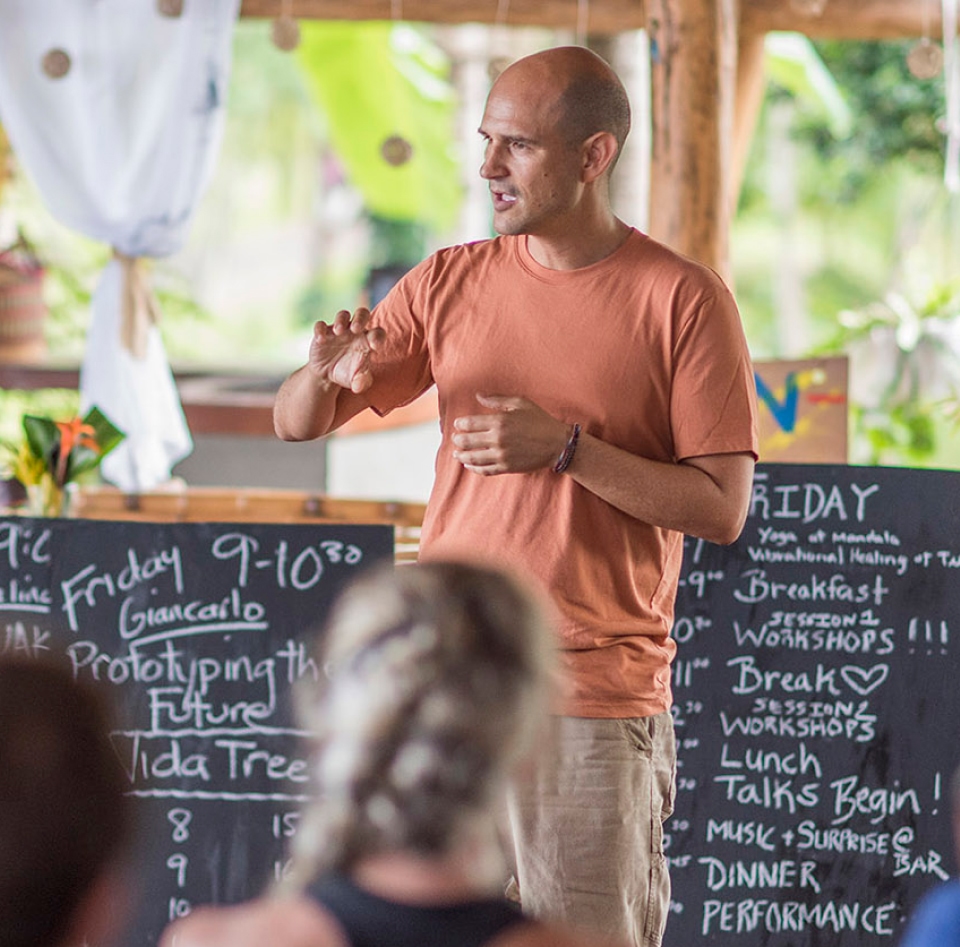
{"points": [[792, 61], [42, 436], [107, 435], [375, 80]]}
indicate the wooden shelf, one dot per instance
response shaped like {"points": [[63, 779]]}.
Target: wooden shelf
{"points": [[212, 403], [252, 505], [225, 403]]}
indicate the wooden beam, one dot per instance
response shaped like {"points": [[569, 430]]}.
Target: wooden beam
{"points": [[693, 77], [846, 19], [603, 16], [839, 19]]}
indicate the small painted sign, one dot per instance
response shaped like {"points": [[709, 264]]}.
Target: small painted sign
{"points": [[803, 410]]}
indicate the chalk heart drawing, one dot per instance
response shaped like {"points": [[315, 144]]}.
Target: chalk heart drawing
{"points": [[865, 680]]}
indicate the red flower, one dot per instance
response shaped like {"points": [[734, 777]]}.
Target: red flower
{"points": [[73, 433]]}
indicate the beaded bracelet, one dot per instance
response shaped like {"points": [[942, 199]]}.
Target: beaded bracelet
{"points": [[568, 451]]}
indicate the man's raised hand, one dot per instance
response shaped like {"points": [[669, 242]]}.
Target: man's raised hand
{"points": [[340, 353]]}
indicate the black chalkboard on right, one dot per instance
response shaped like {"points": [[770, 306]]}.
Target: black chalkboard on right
{"points": [[817, 703]]}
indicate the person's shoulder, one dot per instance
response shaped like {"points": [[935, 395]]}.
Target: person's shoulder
{"points": [[670, 264], [542, 934], [473, 251], [287, 922], [460, 263], [936, 919]]}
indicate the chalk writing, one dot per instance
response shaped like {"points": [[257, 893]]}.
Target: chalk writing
{"points": [[791, 635], [24, 543], [17, 596], [809, 502], [751, 914], [815, 668], [30, 642], [759, 586], [201, 632]]}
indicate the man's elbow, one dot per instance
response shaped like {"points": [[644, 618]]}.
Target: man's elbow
{"points": [[297, 425], [281, 430], [288, 430], [722, 508], [727, 537], [727, 527]]}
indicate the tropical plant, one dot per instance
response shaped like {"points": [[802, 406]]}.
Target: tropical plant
{"points": [[382, 83], [905, 366], [53, 454], [896, 116]]}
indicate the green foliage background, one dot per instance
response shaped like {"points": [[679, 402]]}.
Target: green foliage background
{"points": [[877, 246], [872, 219]]}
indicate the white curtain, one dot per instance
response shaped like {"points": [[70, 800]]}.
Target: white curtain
{"points": [[115, 110]]}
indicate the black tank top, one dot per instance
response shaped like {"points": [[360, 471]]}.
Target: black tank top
{"points": [[372, 921]]}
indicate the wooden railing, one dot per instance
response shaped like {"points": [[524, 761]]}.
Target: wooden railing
{"points": [[251, 505]]}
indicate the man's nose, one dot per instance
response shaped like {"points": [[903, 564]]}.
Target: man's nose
{"points": [[492, 165]]}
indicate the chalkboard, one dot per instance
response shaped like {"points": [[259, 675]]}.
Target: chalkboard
{"points": [[817, 692], [198, 632], [816, 686]]}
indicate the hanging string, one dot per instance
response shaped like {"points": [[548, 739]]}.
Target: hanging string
{"points": [[499, 60], [286, 30], [951, 50], [583, 19], [809, 7], [171, 8], [925, 59], [396, 149]]}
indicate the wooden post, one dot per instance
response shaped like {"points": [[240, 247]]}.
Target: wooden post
{"points": [[751, 85], [693, 51]]}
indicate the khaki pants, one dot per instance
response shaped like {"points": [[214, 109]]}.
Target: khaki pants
{"points": [[587, 826]]}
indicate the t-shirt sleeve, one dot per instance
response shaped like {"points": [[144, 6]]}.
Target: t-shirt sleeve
{"points": [[401, 366], [713, 399]]}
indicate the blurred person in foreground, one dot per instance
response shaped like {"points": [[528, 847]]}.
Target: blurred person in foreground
{"points": [[436, 691], [936, 920], [64, 819]]}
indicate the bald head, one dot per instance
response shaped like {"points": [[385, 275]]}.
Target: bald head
{"points": [[586, 94]]}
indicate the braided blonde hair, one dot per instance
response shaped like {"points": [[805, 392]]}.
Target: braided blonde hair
{"points": [[437, 674]]}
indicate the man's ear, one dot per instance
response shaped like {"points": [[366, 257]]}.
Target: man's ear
{"points": [[101, 913], [599, 152]]}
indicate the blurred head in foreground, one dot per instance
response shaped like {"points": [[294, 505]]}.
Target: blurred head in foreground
{"points": [[437, 677], [63, 815]]}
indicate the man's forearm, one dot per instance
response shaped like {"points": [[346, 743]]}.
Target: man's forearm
{"points": [[305, 407], [705, 497]]}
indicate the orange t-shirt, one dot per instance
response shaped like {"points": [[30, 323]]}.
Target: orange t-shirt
{"points": [[646, 351]]}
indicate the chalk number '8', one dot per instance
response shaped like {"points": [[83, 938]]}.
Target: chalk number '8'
{"points": [[180, 819]]}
